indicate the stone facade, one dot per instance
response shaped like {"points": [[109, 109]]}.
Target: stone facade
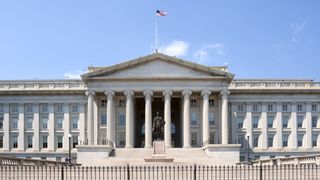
{"points": [[202, 106]]}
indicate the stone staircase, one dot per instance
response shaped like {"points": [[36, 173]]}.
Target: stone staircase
{"points": [[136, 156]]}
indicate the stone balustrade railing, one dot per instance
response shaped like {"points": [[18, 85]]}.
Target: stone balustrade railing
{"points": [[11, 161], [274, 84], [39, 85], [310, 159]]}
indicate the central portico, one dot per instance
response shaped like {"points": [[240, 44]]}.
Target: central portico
{"points": [[192, 99], [157, 83]]}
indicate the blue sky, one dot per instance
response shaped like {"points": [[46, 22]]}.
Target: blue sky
{"points": [[257, 39]]}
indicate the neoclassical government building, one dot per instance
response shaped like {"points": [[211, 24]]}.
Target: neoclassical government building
{"points": [[205, 109]]}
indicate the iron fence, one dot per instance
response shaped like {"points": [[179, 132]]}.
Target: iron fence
{"points": [[161, 172]]}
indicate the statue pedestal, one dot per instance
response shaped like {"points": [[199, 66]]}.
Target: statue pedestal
{"points": [[159, 153]]}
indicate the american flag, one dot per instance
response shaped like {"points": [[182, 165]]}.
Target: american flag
{"points": [[161, 13]]}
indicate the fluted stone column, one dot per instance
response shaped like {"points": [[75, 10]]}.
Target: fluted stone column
{"points": [[167, 117], [110, 118], [186, 118], [129, 118], [90, 117], [224, 116], [148, 118], [205, 116]]}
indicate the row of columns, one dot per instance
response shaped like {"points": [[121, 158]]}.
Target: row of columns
{"points": [[148, 117]]}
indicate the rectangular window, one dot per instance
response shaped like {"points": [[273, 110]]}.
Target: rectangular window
{"points": [[59, 108], [44, 142], [29, 122], [314, 121], [104, 103], [1, 107], [44, 122], [285, 120], [240, 120], [255, 121], [193, 102], [255, 108], [300, 120], [270, 121], [241, 140], [29, 141], [211, 138], [122, 140], [255, 141], [1, 122], [60, 142], [75, 120], [29, 108], [44, 108], [240, 107], [270, 141], [13, 108], [285, 107], [211, 118], [315, 140], [1, 141], [193, 139], [122, 119], [14, 123], [211, 103], [74, 108], [59, 120], [74, 141], [14, 142], [270, 107], [121, 102], [103, 120], [300, 140], [285, 140], [314, 107], [299, 107], [194, 118]]}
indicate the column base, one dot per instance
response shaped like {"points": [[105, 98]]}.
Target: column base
{"points": [[148, 146], [128, 146], [186, 146]]}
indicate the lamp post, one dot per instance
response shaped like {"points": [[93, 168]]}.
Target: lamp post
{"points": [[69, 158], [248, 149]]}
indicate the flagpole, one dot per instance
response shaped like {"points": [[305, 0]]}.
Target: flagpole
{"points": [[156, 33]]}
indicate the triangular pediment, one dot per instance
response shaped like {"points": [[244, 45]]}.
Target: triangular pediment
{"points": [[156, 65]]}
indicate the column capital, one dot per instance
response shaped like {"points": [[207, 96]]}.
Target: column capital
{"points": [[186, 93], [205, 93], [90, 92], [128, 93], [167, 92], [148, 92], [224, 92], [109, 93]]}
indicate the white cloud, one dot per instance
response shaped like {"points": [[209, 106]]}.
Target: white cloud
{"points": [[175, 48], [74, 75], [208, 51], [296, 28]]}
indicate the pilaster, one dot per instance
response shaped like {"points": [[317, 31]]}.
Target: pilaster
{"points": [[21, 137]]}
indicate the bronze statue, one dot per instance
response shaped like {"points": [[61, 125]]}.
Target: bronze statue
{"points": [[158, 127]]}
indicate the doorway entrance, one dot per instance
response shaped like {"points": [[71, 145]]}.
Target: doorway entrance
{"points": [[157, 106]]}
